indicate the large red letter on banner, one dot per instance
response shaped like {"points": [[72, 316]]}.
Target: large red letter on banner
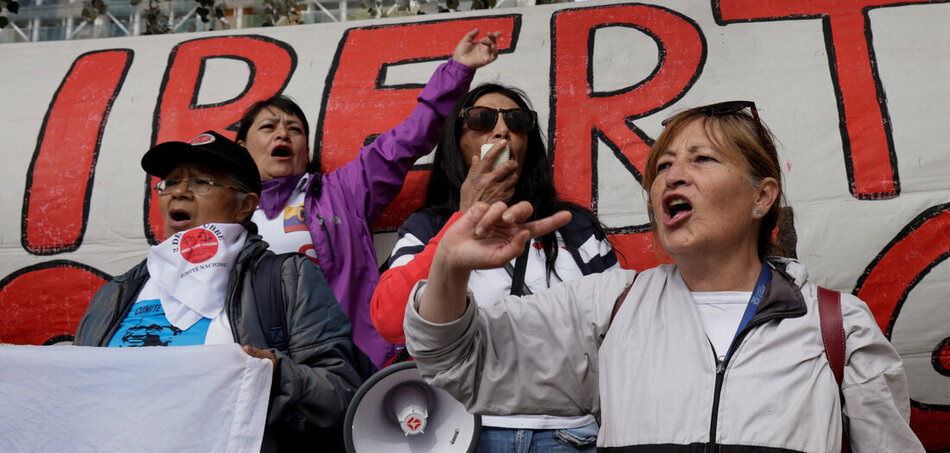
{"points": [[46, 300], [864, 121], [885, 285], [357, 89], [582, 116], [178, 115], [59, 181]]}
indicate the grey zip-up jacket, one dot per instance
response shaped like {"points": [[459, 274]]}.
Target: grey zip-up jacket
{"points": [[654, 379], [313, 385]]}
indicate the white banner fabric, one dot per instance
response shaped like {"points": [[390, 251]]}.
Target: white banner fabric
{"points": [[85, 399]]}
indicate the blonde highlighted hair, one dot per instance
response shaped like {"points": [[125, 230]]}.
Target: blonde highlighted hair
{"points": [[735, 129]]}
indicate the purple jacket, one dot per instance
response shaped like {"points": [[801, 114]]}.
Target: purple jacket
{"points": [[354, 196]]}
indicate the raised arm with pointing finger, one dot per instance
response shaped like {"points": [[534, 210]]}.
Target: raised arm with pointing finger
{"points": [[488, 236]]}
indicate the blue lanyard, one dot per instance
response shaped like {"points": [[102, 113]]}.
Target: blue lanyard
{"points": [[765, 276]]}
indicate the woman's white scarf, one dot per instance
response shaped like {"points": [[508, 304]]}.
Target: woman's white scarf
{"points": [[191, 270]]}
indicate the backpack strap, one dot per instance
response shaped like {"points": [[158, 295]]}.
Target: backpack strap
{"points": [[518, 288], [832, 335], [269, 298]]}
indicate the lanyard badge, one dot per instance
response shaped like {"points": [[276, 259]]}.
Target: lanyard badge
{"points": [[765, 276]]}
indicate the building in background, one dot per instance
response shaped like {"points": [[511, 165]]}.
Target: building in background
{"points": [[57, 20]]}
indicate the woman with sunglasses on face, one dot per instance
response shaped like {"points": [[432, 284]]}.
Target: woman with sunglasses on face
{"points": [[497, 117], [721, 350], [328, 216]]}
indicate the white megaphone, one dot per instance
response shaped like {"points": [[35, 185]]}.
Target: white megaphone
{"points": [[395, 411]]}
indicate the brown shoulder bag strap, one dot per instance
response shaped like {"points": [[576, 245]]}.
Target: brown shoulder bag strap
{"points": [[832, 334], [832, 330]]}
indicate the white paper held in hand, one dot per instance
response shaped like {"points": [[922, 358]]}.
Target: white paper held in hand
{"points": [[503, 156]]}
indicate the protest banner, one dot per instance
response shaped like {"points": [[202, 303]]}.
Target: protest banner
{"points": [[856, 92]]}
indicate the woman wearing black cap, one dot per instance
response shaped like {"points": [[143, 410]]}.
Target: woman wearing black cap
{"points": [[196, 288]]}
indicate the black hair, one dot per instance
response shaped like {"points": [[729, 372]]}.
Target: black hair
{"points": [[243, 190], [287, 105], [284, 103], [535, 183]]}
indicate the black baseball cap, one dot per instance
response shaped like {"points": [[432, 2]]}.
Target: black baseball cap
{"points": [[211, 149]]}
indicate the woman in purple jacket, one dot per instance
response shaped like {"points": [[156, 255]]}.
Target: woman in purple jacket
{"points": [[328, 216]]}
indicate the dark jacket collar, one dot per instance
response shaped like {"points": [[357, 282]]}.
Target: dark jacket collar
{"points": [[782, 299], [138, 272]]}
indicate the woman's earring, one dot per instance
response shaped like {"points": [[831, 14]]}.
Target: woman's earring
{"points": [[758, 212]]}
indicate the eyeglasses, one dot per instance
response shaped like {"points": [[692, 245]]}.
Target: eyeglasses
{"points": [[198, 186], [728, 108], [479, 118]]}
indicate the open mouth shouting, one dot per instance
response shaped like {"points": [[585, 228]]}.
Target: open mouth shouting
{"points": [[282, 152], [676, 209], [178, 219]]}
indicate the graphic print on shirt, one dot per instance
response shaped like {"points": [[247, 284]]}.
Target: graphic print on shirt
{"points": [[146, 325], [295, 219]]}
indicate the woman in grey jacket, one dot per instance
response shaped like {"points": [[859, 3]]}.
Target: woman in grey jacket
{"points": [[720, 351], [196, 288]]}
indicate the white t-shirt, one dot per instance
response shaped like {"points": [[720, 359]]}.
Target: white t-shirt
{"points": [[288, 231], [721, 312]]}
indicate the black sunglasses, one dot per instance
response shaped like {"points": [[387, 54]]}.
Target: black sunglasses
{"points": [[728, 108], [479, 118]]}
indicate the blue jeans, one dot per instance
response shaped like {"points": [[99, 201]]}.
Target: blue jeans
{"points": [[513, 440]]}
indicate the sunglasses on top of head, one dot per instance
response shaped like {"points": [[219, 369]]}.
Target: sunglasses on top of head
{"points": [[479, 118], [728, 108]]}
